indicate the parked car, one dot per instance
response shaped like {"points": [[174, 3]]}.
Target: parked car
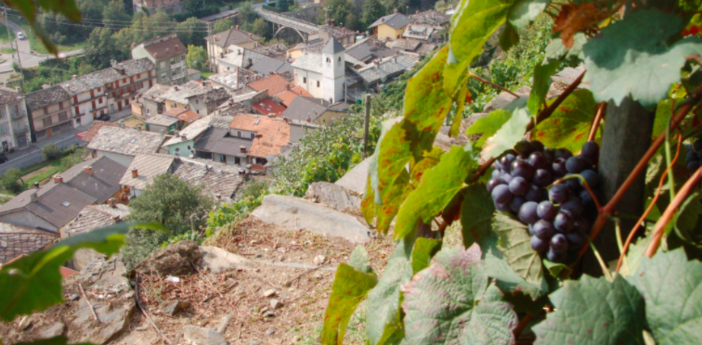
{"points": [[104, 117], [21, 36]]}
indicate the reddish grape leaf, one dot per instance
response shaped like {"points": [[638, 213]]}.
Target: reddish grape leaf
{"points": [[580, 17], [477, 210], [368, 203], [429, 160], [461, 98], [569, 125], [392, 200], [350, 288], [452, 302]]}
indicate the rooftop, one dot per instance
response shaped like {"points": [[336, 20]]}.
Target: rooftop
{"points": [[218, 140], [165, 49], [233, 36], [95, 216], [396, 21], [387, 68], [234, 79], [430, 17], [156, 92], [271, 134], [108, 75], [275, 84], [310, 109], [46, 97], [419, 31], [161, 120], [188, 116], [332, 47], [309, 61], [368, 49], [287, 97], [8, 95], [267, 65], [147, 167], [125, 141], [267, 106], [16, 241], [215, 178], [88, 135], [190, 132]]}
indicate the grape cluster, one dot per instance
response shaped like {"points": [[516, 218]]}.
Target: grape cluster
{"points": [[557, 216], [694, 155]]}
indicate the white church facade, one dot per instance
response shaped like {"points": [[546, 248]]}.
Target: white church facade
{"points": [[323, 74]]}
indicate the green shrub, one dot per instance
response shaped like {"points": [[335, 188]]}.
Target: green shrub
{"points": [[50, 152], [12, 180]]}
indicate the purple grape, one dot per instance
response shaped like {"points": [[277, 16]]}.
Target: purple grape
{"points": [[555, 257], [699, 156], [549, 155], [524, 148], [546, 210], [693, 166], [506, 178], [590, 150], [522, 168], [536, 146], [559, 243], [527, 212], [502, 207], [588, 162], [572, 183], [691, 156], [575, 165], [518, 185], [586, 198], [517, 203], [575, 240], [535, 194], [562, 153], [507, 160], [496, 173], [563, 222], [538, 244], [501, 194], [558, 193], [542, 178], [543, 230], [537, 160], [494, 182], [590, 177], [574, 207], [559, 167], [581, 225]]}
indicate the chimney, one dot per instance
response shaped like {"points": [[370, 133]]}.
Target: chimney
{"points": [[343, 31], [112, 202], [237, 26], [88, 170], [242, 149], [156, 55], [215, 38], [58, 179], [135, 173], [382, 20], [168, 49], [33, 196], [176, 48], [218, 196], [250, 35]]}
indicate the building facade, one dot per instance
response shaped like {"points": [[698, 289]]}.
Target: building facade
{"points": [[14, 122], [323, 75], [49, 112], [168, 55]]}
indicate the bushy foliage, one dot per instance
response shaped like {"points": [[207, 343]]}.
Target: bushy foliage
{"points": [[12, 180], [50, 152], [371, 11], [222, 25], [248, 198], [197, 57], [176, 204], [337, 10]]}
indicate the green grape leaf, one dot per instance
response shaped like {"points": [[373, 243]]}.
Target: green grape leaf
{"points": [[383, 304], [515, 245], [569, 125], [557, 51], [489, 125], [34, 283], [359, 260], [523, 12], [508, 135], [391, 201], [672, 289], [436, 189], [476, 214], [424, 250], [463, 93], [429, 160], [349, 289], [472, 25], [663, 114], [452, 302], [686, 219], [634, 255], [594, 311], [542, 82], [60, 340], [509, 37], [556, 269], [368, 203], [633, 57]]}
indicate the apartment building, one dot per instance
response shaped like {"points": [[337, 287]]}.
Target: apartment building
{"points": [[168, 55], [14, 124], [49, 112]]}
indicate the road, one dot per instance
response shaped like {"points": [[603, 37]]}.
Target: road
{"points": [[28, 59], [25, 158]]}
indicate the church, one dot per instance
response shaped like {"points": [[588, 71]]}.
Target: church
{"points": [[322, 73]]}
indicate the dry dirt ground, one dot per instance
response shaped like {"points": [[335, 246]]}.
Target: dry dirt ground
{"points": [[281, 260]]}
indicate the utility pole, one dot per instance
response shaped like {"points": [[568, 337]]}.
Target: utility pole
{"points": [[366, 124], [210, 46]]}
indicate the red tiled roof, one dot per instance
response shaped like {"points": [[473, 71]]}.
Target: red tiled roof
{"points": [[94, 129], [266, 106], [167, 49], [188, 116], [288, 96], [173, 112], [275, 84], [271, 134]]}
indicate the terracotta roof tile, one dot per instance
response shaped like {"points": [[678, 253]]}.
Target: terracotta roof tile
{"points": [[275, 84], [95, 128], [188, 116], [271, 134], [266, 106], [288, 96]]}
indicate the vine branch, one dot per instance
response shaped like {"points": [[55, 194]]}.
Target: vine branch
{"points": [[494, 85], [601, 108]]}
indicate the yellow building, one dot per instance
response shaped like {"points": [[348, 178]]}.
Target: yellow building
{"points": [[391, 26]]}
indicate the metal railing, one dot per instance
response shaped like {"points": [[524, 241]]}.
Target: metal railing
{"points": [[297, 24]]}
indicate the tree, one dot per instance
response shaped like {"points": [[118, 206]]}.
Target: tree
{"points": [[12, 180], [282, 5], [193, 6], [192, 31], [222, 25], [50, 152], [261, 28], [246, 13], [113, 16], [101, 48], [371, 11], [392, 5], [337, 10], [351, 22], [176, 204], [197, 58]]}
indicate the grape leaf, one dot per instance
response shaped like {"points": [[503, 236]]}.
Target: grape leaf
{"points": [[391, 201], [461, 96], [488, 125], [663, 113], [424, 250], [542, 82], [436, 189], [633, 57], [634, 255], [569, 125], [593, 311], [33, 283], [515, 245], [368, 204], [349, 289], [429, 160], [452, 302], [476, 214], [523, 12], [686, 219], [508, 135], [384, 300], [359, 260], [557, 51], [672, 289], [472, 25]]}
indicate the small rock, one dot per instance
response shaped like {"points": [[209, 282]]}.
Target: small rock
{"points": [[254, 242], [257, 270], [275, 304], [172, 307], [319, 260], [270, 331], [270, 313], [140, 329], [203, 336], [74, 297], [222, 327], [317, 275], [269, 293], [173, 279], [253, 342], [281, 258], [259, 255], [53, 331]]}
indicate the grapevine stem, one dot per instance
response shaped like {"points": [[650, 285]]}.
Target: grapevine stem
{"points": [[596, 122], [605, 271], [494, 85], [633, 231], [670, 211], [522, 325]]}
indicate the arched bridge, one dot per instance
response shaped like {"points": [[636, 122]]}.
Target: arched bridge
{"points": [[302, 27]]}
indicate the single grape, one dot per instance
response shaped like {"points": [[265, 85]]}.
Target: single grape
{"points": [[586, 198], [573, 184], [537, 160], [527, 212], [503, 207], [517, 203], [542, 178], [558, 193], [522, 168], [543, 229], [563, 222], [555, 257], [691, 156], [535, 194], [575, 240], [588, 162], [693, 166], [697, 145], [575, 165], [524, 148], [559, 243], [590, 150], [590, 177], [538, 244], [559, 167], [518, 185], [496, 173], [536, 146], [501, 194], [574, 207], [546, 210], [563, 153], [507, 159], [494, 182], [506, 177]]}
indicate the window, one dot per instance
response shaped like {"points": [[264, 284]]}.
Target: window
{"points": [[2, 113], [47, 121], [238, 134], [317, 83], [174, 104], [328, 60], [304, 80], [63, 116], [189, 147], [61, 105], [3, 129], [99, 89], [223, 158], [138, 76], [237, 160], [163, 76], [100, 100], [253, 135]]}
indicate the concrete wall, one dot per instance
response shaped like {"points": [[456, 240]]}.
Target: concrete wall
{"points": [[385, 30], [185, 149], [309, 81]]}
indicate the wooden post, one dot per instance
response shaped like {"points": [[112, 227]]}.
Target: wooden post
{"points": [[366, 125], [626, 138]]}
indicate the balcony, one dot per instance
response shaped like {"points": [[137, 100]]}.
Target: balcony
{"points": [[177, 65], [178, 76], [19, 116]]}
